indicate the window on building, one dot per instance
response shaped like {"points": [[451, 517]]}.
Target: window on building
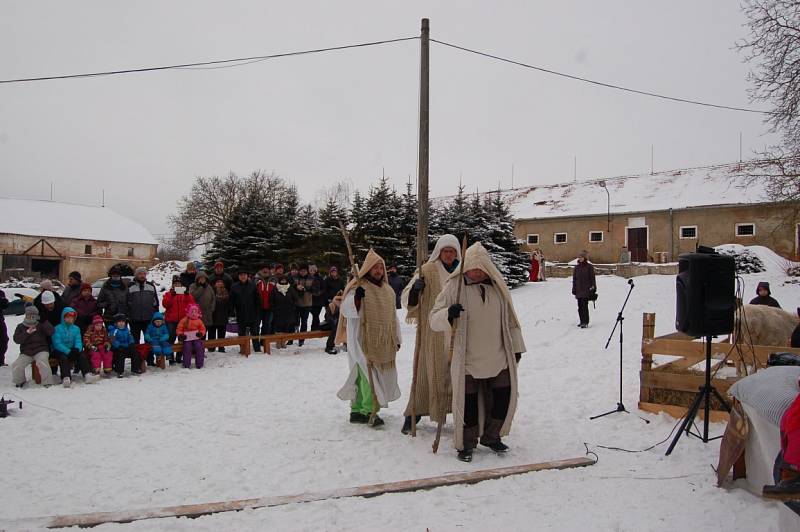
{"points": [[533, 240], [130, 252], [595, 236], [688, 232], [87, 249], [560, 238], [745, 229]]}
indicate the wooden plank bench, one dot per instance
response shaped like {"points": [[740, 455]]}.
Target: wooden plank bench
{"points": [[243, 342], [268, 339]]}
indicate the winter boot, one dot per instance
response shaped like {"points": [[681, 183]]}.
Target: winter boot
{"points": [[465, 455], [91, 378], [66, 382], [375, 422], [497, 446], [20, 385], [301, 343], [407, 424], [332, 351], [358, 418], [171, 360], [161, 361], [221, 349], [787, 489]]}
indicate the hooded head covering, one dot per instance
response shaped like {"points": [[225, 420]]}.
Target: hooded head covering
{"points": [[48, 298], [201, 275], [193, 312], [370, 260], [31, 316], [445, 241], [97, 319], [67, 311], [765, 286], [477, 258], [86, 286], [157, 316]]}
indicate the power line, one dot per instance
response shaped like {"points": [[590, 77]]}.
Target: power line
{"points": [[599, 83], [226, 62]]}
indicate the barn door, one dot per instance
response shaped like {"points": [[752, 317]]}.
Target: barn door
{"points": [[637, 244]]}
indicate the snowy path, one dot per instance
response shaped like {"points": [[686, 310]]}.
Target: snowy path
{"points": [[273, 426]]}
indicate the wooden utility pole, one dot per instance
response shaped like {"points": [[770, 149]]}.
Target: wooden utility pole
{"points": [[424, 143]]}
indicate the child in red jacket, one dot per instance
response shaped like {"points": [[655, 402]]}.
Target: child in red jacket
{"points": [[98, 345], [176, 302], [191, 332]]}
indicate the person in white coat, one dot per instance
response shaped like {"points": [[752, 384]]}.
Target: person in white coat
{"points": [[487, 348], [368, 324]]}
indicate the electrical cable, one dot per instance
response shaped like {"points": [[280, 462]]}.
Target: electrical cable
{"points": [[598, 83], [622, 449], [187, 66]]}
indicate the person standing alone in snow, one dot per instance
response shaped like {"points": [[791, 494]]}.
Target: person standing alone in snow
{"points": [[583, 287], [488, 346], [369, 325]]}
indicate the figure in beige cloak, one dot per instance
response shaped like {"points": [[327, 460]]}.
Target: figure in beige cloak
{"points": [[432, 393], [369, 326], [487, 347]]}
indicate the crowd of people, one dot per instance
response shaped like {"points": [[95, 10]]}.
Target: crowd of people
{"points": [[76, 332]]}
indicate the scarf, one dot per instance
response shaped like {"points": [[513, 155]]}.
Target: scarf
{"points": [[283, 288]]}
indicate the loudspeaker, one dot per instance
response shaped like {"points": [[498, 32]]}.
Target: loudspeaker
{"points": [[706, 294]]}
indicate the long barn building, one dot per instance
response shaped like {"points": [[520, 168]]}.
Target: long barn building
{"points": [[50, 239], [654, 217]]}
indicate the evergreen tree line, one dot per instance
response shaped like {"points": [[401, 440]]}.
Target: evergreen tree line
{"points": [[272, 226]]}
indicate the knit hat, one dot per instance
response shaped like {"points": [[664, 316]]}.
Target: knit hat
{"points": [[765, 286], [31, 315], [140, 269], [201, 274], [48, 298], [97, 319], [115, 270], [86, 286], [193, 311], [583, 254], [120, 317], [75, 275], [219, 263], [46, 284]]}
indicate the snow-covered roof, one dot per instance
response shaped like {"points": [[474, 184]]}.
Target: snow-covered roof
{"points": [[66, 220], [727, 184]]}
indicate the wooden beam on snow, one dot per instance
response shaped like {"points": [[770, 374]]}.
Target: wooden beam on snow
{"points": [[372, 490]]}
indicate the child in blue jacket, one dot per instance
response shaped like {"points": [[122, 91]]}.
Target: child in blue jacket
{"points": [[68, 348], [124, 346], [157, 335]]}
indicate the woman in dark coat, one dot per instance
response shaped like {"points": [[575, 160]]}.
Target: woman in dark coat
{"points": [[222, 310], [282, 301], [583, 287], [245, 303]]}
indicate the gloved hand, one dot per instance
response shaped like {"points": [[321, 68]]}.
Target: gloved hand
{"points": [[518, 356], [419, 285], [199, 334], [182, 337], [454, 311], [360, 293]]}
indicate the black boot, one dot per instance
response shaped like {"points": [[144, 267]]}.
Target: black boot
{"points": [[497, 446], [358, 418], [407, 424], [785, 490], [465, 455], [376, 422]]}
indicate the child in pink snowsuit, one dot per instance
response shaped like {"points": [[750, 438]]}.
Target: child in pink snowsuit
{"points": [[191, 332], [98, 345]]}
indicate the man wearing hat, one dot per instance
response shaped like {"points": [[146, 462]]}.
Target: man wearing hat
{"points": [[397, 282], [219, 273], [73, 288], [34, 346], [583, 287], [142, 302], [49, 304]]}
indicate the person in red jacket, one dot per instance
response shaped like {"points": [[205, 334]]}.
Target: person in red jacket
{"points": [[264, 287], [176, 302]]}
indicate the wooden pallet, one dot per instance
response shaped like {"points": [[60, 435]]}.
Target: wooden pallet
{"points": [[671, 387], [372, 490]]}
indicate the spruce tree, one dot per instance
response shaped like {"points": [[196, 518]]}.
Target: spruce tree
{"points": [[512, 263], [380, 229], [407, 231]]}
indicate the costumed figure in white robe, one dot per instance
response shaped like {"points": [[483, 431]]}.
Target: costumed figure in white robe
{"points": [[432, 393], [368, 324], [487, 347]]}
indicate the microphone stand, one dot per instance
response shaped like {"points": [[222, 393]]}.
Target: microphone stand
{"points": [[620, 406]]}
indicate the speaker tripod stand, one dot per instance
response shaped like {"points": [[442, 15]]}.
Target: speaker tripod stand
{"points": [[620, 318], [704, 394]]}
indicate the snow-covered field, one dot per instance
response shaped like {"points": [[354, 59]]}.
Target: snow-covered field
{"points": [[272, 425]]}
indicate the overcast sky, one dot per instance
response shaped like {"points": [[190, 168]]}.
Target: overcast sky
{"points": [[353, 114]]}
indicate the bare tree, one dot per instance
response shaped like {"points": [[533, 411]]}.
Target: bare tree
{"points": [[773, 48]]}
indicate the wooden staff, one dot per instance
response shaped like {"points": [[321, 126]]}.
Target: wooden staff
{"points": [[375, 406], [452, 339]]}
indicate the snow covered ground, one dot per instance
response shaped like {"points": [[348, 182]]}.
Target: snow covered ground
{"points": [[272, 425]]}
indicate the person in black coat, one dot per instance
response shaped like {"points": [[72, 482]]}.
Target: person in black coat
{"points": [[281, 301], [764, 296], [113, 296], [397, 282], [583, 287], [331, 285], [3, 329], [245, 304], [219, 273]]}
